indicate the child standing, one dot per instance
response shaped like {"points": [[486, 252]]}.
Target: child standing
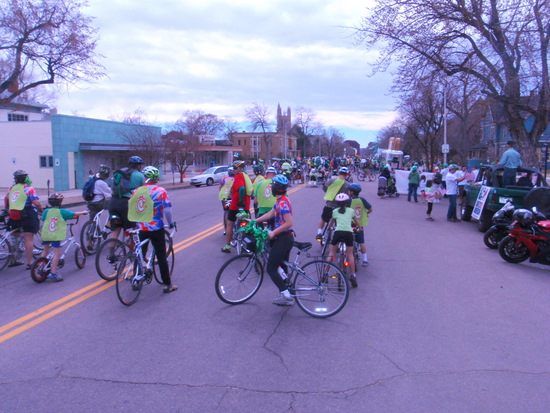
{"points": [[344, 216], [362, 210], [422, 187], [432, 194], [54, 230]]}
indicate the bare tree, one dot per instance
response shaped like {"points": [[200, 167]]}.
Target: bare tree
{"points": [[305, 126], [334, 142], [198, 123], [503, 44], [259, 118], [144, 139], [42, 42]]}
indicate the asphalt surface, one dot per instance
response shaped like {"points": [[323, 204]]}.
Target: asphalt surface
{"points": [[439, 323]]}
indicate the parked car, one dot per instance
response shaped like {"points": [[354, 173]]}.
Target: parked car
{"points": [[491, 177], [210, 176]]}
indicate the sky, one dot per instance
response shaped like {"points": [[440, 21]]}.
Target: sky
{"points": [[164, 57]]}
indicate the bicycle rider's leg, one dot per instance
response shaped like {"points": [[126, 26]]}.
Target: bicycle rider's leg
{"points": [[360, 239], [326, 215], [280, 251], [159, 244], [231, 218], [29, 246], [56, 254]]}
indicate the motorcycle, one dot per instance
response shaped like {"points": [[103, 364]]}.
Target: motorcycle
{"points": [[501, 225], [387, 187], [529, 237]]}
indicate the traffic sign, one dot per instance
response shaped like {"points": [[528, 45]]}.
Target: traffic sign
{"points": [[445, 148]]}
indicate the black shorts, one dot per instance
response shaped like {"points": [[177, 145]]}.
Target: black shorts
{"points": [[342, 236], [119, 207], [29, 222], [327, 213], [232, 215]]}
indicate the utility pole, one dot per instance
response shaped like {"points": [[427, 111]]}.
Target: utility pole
{"points": [[445, 122]]}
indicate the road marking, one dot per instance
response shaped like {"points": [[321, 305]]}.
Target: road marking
{"points": [[18, 326]]}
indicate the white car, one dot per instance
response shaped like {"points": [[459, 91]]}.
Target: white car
{"points": [[210, 176]]}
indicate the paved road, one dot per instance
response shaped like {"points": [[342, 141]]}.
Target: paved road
{"points": [[438, 323]]}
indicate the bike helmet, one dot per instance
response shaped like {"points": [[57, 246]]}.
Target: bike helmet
{"points": [[279, 185], [356, 188], [238, 164], [342, 197], [271, 170], [151, 173], [135, 160], [343, 170], [55, 199], [523, 216], [258, 170], [104, 171], [231, 171], [20, 176]]}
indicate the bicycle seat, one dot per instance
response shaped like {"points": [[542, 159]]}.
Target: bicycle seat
{"points": [[302, 246]]}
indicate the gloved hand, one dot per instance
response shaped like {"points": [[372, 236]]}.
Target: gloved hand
{"points": [[172, 225]]}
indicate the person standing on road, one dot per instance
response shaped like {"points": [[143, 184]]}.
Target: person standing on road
{"points": [[102, 192], [224, 194], [452, 179], [263, 195], [414, 181], [511, 161], [147, 206]]}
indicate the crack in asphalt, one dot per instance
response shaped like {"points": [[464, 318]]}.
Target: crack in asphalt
{"points": [[266, 342]]}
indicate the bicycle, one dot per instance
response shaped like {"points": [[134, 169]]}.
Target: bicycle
{"points": [[319, 287], [237, 238], [92, 233], [134, 270], [41, 267], [12, 245], [325, 238]]}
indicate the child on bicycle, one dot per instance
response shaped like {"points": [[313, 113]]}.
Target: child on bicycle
{"points": [[344, 216], [54, 230], [282, 238], [362, 210]]}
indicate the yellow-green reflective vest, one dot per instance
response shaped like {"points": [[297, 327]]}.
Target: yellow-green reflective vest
{"points": [[264, 196], [333, 189], [259, 179], [248, 184], [55, 227], [225, 190], [360, 211], [140, 205], [17, 197]]}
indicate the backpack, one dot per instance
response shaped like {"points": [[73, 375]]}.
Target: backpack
{"points": [[121, 182], [88, 189]]}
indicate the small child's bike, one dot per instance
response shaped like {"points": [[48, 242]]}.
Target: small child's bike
{"points": [[41, 267]]}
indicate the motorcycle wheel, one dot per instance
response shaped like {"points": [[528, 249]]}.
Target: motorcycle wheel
{"points": [[511, 252], [493, 236]]}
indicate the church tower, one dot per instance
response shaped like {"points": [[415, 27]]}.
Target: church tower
{"points": [[284, 121]]}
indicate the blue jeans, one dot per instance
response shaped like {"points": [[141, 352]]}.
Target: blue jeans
{"points": [[451, 213], [412, 190]]}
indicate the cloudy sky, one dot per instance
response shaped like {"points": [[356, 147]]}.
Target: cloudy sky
{"points": [[218, 56]]}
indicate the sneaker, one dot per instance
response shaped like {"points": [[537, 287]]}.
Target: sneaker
{"points": [[283, 301], [353, 281], [226, 249], [15, 263], [430, 219], [55, 277], [170, 288], [365, 263]]}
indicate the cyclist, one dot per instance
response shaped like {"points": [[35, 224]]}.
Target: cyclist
{"points": [[146, 207], [281, 238], [224, 194], [21, 201], [344, 216], [54, 230], [102, 191], [332, 188], [264, 198], [362, 210], [118, 206], [259, 172], [240, 199]]}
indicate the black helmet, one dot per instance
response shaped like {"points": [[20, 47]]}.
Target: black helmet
{"points": [[20, 176], [135, 160], [55, 199], [104, 171], [523, 216]]}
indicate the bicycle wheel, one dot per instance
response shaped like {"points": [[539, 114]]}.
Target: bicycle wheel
{"points": [[108, 257], [79, 257], [239, 279], [88, 239], [40, 269], [5, 253], [325, 242], [128, 287], [321, 290], [170, 257]]}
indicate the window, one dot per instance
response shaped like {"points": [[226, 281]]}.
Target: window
{"points": [[239, 142], [46, 161], [16, 117], [245, 142]]}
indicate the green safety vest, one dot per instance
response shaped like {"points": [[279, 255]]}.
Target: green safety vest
{"points": [[259, 179], [248, 184], [360, 211], [333, 189], [17, 197], [226, 189], [264, 196], [55, 227], [140, 205]]}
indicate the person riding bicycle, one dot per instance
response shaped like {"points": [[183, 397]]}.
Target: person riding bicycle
{"points": [[21, 201], [54, 230], [240, 200], [332, 188], [259, 172], [362, 210], [102, 191], [281, 238], [224, 194], [118, 206], [263, 197], [146, 207], [344, 216]]}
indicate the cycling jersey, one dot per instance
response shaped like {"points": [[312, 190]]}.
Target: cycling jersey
{"points": [[282, 206], [160, 199]]}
